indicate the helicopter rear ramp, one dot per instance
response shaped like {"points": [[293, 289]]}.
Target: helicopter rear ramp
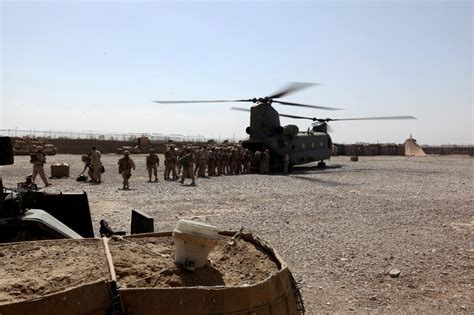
{"points": [[412, 148]]}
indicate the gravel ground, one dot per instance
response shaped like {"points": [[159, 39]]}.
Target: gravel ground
{"points": [[341, 230]]}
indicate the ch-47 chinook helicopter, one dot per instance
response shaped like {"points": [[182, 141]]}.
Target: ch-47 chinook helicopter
{"points": [[266, 132]]}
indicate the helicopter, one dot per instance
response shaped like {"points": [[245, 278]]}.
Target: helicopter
{"points": [[266, 132]]}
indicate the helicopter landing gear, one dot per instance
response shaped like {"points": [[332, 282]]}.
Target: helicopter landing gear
{"points": [[321, 165]]}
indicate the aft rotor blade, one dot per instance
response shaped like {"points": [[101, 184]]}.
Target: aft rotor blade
{"points": [[208, 101], [306, 105], [296, 117], [370, 118], [291, 88]]}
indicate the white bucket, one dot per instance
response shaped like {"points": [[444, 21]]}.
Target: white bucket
{"points": [[194, 241]]}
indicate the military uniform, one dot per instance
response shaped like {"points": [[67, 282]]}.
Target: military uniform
{"points": [[96, 165], [247, 160], [265, 162], [168, 163], [126, 165], [152, 163], [38, 160], [286, 162], [202, 162], [187, 161], [218, 157], [211, 168]]}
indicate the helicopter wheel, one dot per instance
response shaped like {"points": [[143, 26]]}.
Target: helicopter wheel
{"points": [[321, 165]]}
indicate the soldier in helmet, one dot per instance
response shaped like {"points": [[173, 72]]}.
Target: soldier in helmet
{"points": [[187, 161], [247, 160], [168, 162], [286, 162], [96, 164], [126, 165], [265, 162], [38, 160], [152, 163]]}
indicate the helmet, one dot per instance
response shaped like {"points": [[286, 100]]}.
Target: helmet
{"points": [[127, 153]]}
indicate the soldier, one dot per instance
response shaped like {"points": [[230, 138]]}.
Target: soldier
{"points": [[202, 161], [211, 168], [233, 162], [38, 159], [218, 155], [187, 161], [247, 160], [265, 162], [152, 163], [168, 162], [87, 165], [126, 165], [175, 161], [180, 155], [286, 162], [225, 161], [96, 165]]}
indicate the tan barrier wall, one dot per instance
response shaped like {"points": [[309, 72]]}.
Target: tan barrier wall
{"points": [[277, 295]]}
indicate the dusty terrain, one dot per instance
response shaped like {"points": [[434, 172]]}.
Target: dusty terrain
{"points": [[30, 270], [238, 265], [340, 230]]}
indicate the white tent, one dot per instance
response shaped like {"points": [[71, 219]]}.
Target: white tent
{"points": [[412, 148]]}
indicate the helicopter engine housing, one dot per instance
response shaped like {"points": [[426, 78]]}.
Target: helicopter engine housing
{"points": [[320, 127], [290, 131]]}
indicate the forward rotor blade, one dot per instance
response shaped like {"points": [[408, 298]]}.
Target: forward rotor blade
{"points": [[240, 109], [370, 118], [291, 88], [305, 105], [211, 101]]}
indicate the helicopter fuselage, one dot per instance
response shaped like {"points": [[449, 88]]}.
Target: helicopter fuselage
{"points": [[266, 132]]}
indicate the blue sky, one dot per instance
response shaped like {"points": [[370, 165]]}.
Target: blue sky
{"points": [[97, 65]]}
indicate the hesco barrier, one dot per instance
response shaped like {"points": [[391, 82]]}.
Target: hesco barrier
{"points": [[276, 295]]}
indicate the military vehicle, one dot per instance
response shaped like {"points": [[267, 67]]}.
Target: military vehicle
{"points": [[143, 146], [27, 146], [266, 132]]}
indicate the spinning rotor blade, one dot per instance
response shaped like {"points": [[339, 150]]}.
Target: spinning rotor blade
{"points": [[291, 88], [187, 102], [370, 118], [295, 117], [241, 109], [305, 105]]}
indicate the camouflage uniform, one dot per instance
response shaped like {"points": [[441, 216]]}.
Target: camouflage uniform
{"points": [[168, 162], [96, 165], [187, 161], [211, 168], [180, 155], [218, 155], [152, 163], [265, 162], [126, 165], [202, 162], [286, 162], [38, 160], [247, 160]]}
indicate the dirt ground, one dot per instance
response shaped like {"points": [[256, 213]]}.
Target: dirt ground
{"points": [[341, 230], [30, 270], [238, 265]]}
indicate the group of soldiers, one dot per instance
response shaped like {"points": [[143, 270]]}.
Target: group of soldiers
{"points": [[215, 160], [189, 162]]}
